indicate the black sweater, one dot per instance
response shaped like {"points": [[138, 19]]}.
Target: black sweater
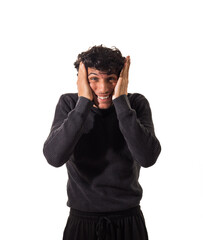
{"points": [[103, 150]]}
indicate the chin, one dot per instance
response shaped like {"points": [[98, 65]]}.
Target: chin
{"points": [[104, 106]]}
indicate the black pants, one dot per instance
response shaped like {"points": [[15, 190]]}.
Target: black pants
{"points": [[121, 225]]}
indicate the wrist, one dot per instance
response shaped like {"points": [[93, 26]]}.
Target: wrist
{"points": [[87, 97], [118, 95]]}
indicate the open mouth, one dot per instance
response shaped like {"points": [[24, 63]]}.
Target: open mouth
{"points": [[104, 98]]}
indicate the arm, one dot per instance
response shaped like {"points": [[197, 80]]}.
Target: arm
{"points": [[68, 124], [136, 127], [66, 130], [138, 131]]}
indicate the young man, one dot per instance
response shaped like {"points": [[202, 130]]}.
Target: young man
{"points": [[104, 135]]}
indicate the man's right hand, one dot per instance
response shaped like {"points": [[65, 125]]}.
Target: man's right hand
{"points": [[84, 89]]}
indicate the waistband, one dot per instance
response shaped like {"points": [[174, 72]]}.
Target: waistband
{"points": [[114, 214], [104, 219]]}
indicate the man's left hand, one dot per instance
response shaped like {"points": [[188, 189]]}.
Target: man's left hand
{"points": [[122, 84]]}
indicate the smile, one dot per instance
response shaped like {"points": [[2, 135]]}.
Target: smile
{"points": [[103, 97]]}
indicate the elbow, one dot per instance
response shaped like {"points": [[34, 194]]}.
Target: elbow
{"points": [[148, 162], [51, 158], [151, 158]]}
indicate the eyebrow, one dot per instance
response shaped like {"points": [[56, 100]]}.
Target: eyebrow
{"points": [[92, 73], [97, 74]]}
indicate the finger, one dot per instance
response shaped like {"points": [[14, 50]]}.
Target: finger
{"points": [[80, 66], [121, 73], [128, 62], [82, 69], [79, 70], [126, 66]]}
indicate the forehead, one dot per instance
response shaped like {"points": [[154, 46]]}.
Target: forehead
{"points": [[94, 72]]}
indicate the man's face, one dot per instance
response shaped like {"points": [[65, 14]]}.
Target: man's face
{"points": [[102, 86]]}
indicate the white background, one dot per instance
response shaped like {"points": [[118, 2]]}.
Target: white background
{"points": [[39, 42]]}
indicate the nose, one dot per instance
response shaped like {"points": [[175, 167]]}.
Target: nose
{"points": [[104, 88]]}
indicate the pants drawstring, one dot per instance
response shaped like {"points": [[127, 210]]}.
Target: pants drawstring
{"points": [[100, 229]]}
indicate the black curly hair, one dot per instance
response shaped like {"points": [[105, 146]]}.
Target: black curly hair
{"points": [[109, 60]]}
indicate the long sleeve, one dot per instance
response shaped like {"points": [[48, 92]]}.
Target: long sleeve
{"points": [[135, 122], [66, 130]]}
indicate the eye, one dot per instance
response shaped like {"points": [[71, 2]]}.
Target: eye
{"points": [[93, 79], [112, 79]]}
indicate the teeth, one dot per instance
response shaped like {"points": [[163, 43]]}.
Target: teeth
{"points": [[103, 97]]}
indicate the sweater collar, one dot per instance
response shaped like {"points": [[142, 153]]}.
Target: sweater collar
{"points": [[103, 111]]}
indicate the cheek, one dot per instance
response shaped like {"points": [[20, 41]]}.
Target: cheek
{"points": [[93, 86], [114, 84]]}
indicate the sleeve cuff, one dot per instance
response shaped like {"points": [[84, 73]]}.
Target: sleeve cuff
{"points": [[122, 104], [83, 105]]}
